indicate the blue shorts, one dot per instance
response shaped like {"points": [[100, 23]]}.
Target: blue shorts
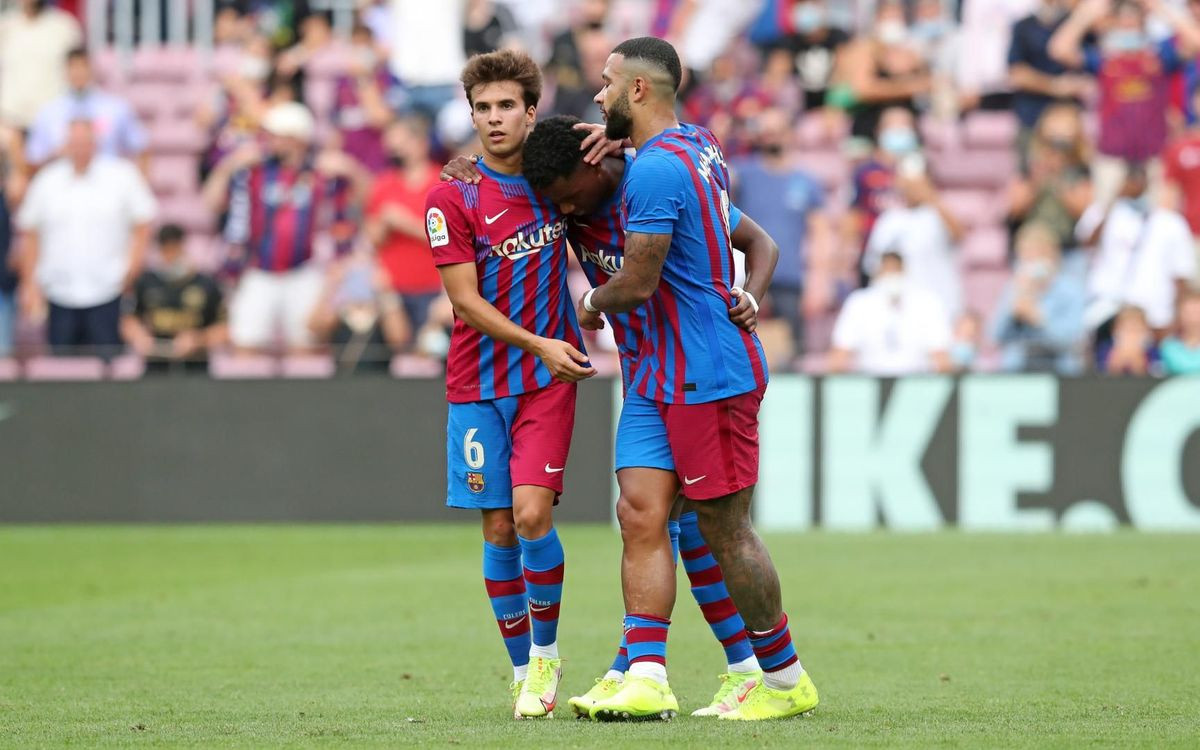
{"points": [[642, 436], [493, 446]]}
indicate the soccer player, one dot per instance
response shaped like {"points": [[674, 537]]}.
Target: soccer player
{"points": [[515, 357], [590, 194], [697, 385]]}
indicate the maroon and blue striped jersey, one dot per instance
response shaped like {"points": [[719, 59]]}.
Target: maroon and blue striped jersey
{"points": [[518, 244], [286, 209], [690, 351]]}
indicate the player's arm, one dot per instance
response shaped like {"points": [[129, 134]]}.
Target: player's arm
{"points": [[461, 280], [637, 278], [761, 256]]}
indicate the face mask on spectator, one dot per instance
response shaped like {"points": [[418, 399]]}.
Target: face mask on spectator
{"points": [[891, 285], [434, 342], [1124, 40], [1038, 270], [255, 69], [891, 32], [1051, 13], [808, 17], [898, 141], [962, 353], [175, 270], [928, 31]]}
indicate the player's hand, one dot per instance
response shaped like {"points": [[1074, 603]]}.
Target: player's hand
{"points": [[597, 145], [743, 313], [565, 362], [588, 320], [462, 168]]}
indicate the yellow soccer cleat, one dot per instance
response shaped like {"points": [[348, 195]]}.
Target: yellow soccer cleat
{"points": [[761, 702], [733, 686], [639, 699], [605, 687], [515, 689], [539, 694]]}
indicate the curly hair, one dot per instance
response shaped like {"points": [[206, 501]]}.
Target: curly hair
{"points": [[505, 65], [552, 151]]}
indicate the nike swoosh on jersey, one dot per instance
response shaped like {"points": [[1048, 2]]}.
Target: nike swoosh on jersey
{"points": [[553, 471], [690, 482], [489, 220]]}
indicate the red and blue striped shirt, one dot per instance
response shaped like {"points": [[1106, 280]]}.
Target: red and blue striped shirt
{"points": [[287, 208], [690, 351], [518, 244]]}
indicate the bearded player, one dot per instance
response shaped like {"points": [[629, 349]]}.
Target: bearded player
{"points": [[515, 357], [698, 382]]}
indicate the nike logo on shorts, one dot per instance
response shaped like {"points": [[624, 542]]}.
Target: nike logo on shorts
{"points": [[550, 470], [690, 482], [492, 219]]}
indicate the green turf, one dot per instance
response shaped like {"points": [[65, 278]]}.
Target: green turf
{"points": [[381, 635]]}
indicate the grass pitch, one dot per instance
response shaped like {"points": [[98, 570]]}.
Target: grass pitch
{"points": [[257, 636]]}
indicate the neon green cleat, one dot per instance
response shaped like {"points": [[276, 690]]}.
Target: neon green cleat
{"points": [[761, 702], [605, 687], [639, 699], [515, 689], [539, 694], [733, 686]]}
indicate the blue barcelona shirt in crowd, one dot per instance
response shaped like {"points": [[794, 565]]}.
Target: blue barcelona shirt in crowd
{"points": [[690, 351]]}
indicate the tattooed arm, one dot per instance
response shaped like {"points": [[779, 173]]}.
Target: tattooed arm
{"points": [[635, 282]]}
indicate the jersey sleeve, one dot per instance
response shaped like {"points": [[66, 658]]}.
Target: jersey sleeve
{"points": [[735, 218], [447, 227], [654, 196]]}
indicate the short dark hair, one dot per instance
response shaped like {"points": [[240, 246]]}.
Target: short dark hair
{"points": [[654, 51], [77, 53], [552, 151], [169, 234], [505, 65]]}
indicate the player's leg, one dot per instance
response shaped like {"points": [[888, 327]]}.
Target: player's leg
{"points": [[709, 591], [715, 446], [540, 429], [648, 488], [477, 477]]}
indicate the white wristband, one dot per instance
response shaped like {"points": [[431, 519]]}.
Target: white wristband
{"points": [[738, 292], [587, 301]]}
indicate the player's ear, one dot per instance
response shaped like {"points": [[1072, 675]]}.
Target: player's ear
{"points": [[530, 115]]}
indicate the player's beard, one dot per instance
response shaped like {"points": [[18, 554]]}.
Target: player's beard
{"points": [[618, 122]]}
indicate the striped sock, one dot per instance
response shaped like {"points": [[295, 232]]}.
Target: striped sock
{"points": [[646, 641], [506, 590], [775, 652], [621, 662], [708, 588], [673, 531], [544, 581]]}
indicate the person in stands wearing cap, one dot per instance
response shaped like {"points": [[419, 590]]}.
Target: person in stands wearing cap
{"points": [[280, 200]]}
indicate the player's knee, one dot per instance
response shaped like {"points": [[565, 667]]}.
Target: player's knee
{"points": [[499, 530], [533, 521], [638, 519]]}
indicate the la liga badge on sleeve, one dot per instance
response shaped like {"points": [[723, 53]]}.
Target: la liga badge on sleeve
{"points": [[475, 481]]}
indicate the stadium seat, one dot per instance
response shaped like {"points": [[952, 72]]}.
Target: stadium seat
{"points": [[814, 363], [990, 130], [10, 369], [975, 208], [985, 248], [225, 366], [127, 367], [176, 135], [415, 366], [939, 135], [174, 174], [982, 290], [985, 170], [188, 211], [829, 166], [309, 367], [816, 131], [64, 368], [205, 251], [167, 64], [149, 100]]}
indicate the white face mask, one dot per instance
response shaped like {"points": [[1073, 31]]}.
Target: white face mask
{"points": [[892, 285], [255, 69], [434, 342], [891, 32]]}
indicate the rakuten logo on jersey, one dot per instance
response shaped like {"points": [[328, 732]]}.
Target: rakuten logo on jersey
{"points": [[525, 243], [610, 264]]}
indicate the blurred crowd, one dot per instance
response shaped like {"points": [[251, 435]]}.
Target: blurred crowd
{"points": [[954, 185]]}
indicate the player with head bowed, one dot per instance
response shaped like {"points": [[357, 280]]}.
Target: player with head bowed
{"points": [[515, 357], [695, 393]]}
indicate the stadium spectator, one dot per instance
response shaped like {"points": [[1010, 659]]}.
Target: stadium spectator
{"points": [[12, 187], [1144, 258], [724, 100], [880, 70], [1056, 189], [576, 59], [427, 52], [1132, 350], [316, 41], [1181, 170], [376, 15], [1038, 80], [85, 225], [892, 327], [396, 222], [812, 50], [1134, 76], [872, 181], [280, 202], [789, 204], [360, 317], [34, 40], [363, 102], [978, 61], [1039, 320], [1181, 351], [487, 27], [924, 231], [965, 342], [174, 316], [232, 112], [117, 131]]}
